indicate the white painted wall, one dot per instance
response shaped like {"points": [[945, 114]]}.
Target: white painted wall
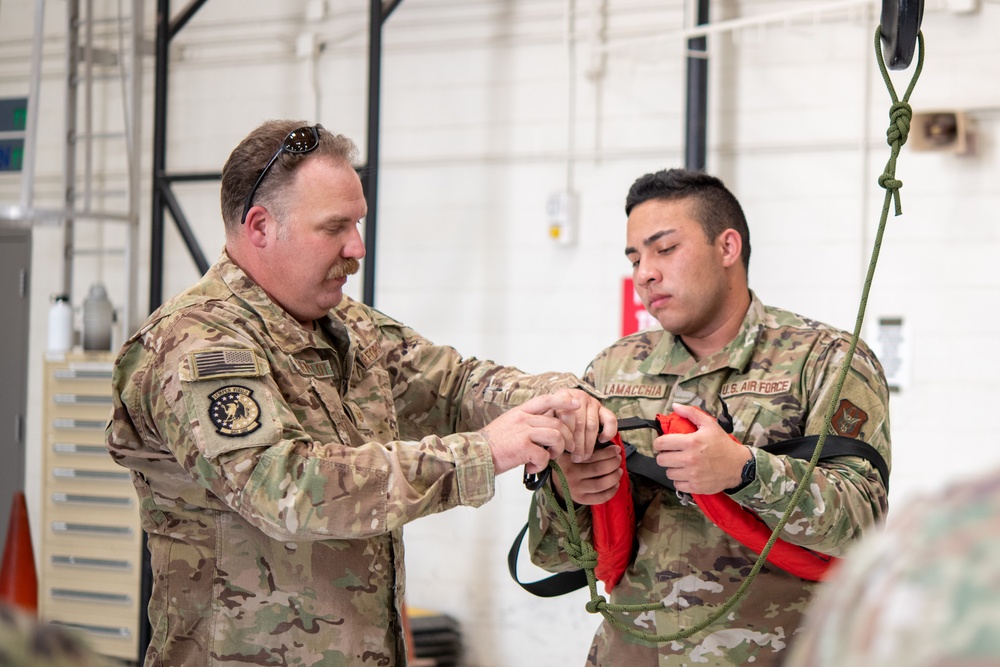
{"points": [[475, 119]]}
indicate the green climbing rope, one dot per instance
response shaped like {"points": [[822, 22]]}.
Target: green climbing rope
{"points": [[582, 553]]}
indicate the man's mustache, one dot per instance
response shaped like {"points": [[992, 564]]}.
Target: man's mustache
{"points": [[348, 267]]}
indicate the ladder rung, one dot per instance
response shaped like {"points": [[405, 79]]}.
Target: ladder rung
{"points": [[98, 56], [97, 252], [83, 136]]}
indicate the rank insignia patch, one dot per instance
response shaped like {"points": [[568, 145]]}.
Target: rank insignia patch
{"points": [[233, 411], [370, 354], [849, 419]]}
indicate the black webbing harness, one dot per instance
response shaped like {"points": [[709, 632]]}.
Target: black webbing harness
{"points": [[646, 467]]}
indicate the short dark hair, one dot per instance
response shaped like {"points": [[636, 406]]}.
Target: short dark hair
{"points": [[715, 208], [249, 158]]}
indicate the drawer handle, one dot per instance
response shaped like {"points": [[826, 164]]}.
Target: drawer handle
{"points": [[79, 561], [67, 399], [83, 373], [70, 448], [104, 630], [79, 423], [93, 596], [113, 501], [89, 474], [89, 528]]}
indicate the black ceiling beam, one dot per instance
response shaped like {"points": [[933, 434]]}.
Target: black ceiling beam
{"points": [[696, 113]]}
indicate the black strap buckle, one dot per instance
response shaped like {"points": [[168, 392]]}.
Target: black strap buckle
{"points": [[535, 480]]}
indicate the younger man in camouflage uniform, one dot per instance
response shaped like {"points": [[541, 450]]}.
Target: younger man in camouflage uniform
{"points": [[689, 247], [281, 434]]}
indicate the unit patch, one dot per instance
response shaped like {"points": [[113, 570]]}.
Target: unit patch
{"points": [[234, 411], [849, 419], [630, 390]]}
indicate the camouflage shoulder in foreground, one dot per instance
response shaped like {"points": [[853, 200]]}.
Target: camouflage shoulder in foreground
{"points": [[25, 642], [923, 593]]}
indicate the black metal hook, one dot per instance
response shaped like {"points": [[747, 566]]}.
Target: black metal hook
{"points": [[899, 29]]}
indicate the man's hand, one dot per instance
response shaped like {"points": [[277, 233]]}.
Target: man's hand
{"points": [[593, 481], [706, 461], [591, 423], [531, 433]]}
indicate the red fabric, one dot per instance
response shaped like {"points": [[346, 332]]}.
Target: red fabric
{"points": [[614, 529], [746, 527]]}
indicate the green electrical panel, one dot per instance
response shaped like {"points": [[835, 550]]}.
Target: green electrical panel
{"points": [[13, 118]]}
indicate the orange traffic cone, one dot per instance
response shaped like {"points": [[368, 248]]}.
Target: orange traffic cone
{"points": [[18, 583]]}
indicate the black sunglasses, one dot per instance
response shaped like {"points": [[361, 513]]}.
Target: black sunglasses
{"points": [[298, 141]]}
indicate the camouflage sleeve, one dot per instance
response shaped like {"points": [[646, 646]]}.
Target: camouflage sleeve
{"points": [[546, 536], [846, 496], [274, 470], [437, 391]]}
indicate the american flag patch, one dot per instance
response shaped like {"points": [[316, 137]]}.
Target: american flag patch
{"points": [[224, 363]]}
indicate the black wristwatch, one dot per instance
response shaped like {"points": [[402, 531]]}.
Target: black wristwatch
{"points": [[748, 475]]}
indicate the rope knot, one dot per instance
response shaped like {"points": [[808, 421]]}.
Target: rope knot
{"points": [[581, 554], [900, 115], [596, 605], [889, 183]]}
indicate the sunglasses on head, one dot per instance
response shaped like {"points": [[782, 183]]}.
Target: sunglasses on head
{"points": [[298, 141]]}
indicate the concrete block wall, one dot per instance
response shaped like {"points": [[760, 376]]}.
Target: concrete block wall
{"points": [[475, 137]]}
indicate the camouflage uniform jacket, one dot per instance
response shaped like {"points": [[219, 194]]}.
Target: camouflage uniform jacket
{"points": [[776, 377], [925, 592], [272, 481]]}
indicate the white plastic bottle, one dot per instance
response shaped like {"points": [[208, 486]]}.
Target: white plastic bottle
{"points": [[60, 324], [98, 318]]}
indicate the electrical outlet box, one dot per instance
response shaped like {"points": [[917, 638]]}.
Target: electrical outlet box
{"points": [[562, 212]]}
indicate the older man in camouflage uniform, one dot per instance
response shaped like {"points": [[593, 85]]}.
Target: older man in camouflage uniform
{"points": [[281, 434], [925, 592], [689, 247]]}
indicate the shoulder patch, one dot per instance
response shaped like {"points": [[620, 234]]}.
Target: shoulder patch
{"points": [[220, 363], [849, 419], [638, 389], [234, 411]]}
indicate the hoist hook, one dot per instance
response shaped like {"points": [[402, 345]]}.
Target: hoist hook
{"points": [[900, 26]]}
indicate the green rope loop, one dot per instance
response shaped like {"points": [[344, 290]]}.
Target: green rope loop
{"points": [[900, 115], [581, 551]]}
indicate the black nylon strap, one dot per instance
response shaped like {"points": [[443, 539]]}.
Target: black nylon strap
{"points": [[833, 446], [798, 448], [549, 587]]}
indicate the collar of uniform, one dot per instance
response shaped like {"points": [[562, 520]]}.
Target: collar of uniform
{"points": [[286, 332], [339, 337], [671, 356]]}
